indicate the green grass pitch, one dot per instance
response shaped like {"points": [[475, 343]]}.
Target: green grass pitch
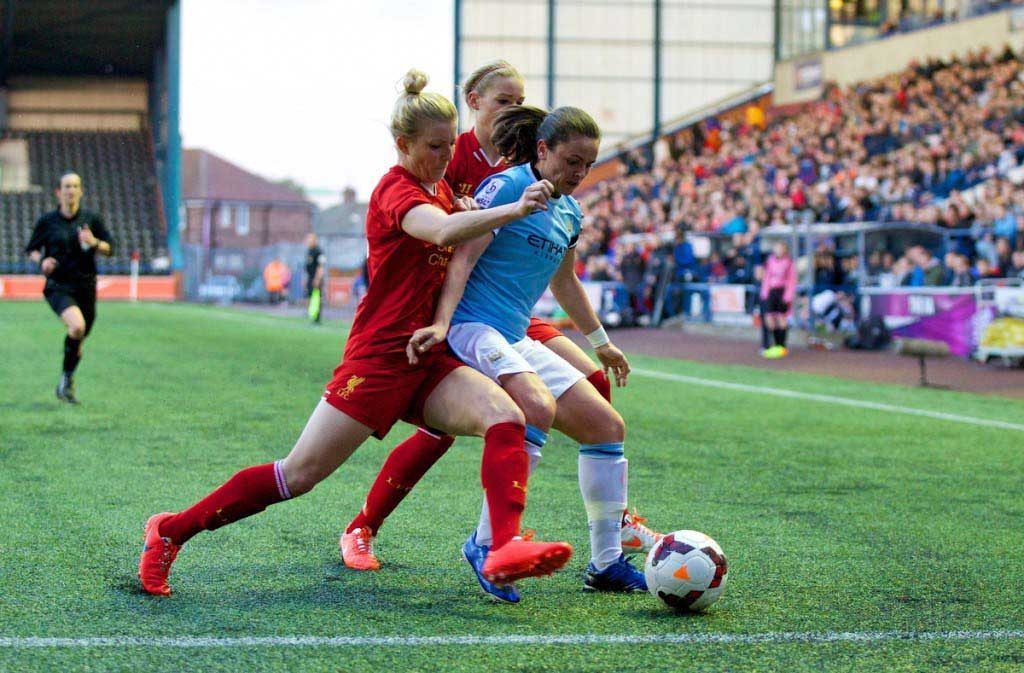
{"points": [[858, 539]]}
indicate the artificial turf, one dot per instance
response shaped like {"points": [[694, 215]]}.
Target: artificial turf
{"points": [[835, 519]]}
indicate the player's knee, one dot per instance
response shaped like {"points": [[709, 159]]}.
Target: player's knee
{"points": [[76, 331], [539, 406], [300, 484], [610, 427]]}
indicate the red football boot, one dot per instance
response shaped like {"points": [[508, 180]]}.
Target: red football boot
{"points": [[158, 553]]}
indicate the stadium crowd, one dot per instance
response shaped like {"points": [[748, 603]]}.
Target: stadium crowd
{"points": [[938, 143]]}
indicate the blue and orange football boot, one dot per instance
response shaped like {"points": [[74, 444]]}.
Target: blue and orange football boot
{"points": [[475, 555]]}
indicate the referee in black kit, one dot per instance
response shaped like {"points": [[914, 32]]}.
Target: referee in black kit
{"points": [[64, 243]]}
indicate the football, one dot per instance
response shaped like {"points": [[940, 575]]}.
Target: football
{"points": [[686, 570]]}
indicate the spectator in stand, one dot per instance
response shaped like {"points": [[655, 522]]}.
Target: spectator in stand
{"points": [[598, 270], [747, 245], [686, 261], [898, 276], [875, 263], [1016, 265], [985, 247], [960, 271], [631, 268], [1005, 224], [656, 277], [754, 116], [1003, 252], [927, 270], [778, 289], [849, 267], [714, 269], [824, 267], [949, 264], [894, 148], [983, 270], [739, 272]]}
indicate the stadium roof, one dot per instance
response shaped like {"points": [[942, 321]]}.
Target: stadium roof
{"points": [[95, 38]]}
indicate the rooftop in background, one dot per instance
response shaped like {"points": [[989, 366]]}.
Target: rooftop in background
{"points": [[99, 37], [345, 218], [208, 176]]}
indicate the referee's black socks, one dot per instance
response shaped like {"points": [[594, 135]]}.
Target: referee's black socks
{"points": [[72, 350]]}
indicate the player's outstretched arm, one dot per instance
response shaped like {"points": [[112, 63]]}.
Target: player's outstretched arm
{"points": [[430, 223], [569, 292], [456, 276]]}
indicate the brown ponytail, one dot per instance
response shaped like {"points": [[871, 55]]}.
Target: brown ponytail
{"points": [[517, 129]]}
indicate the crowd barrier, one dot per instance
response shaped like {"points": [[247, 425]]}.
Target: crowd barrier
{"points": [[986, 320]]}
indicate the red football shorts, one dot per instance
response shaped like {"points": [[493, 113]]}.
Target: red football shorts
{"points": [[380, 390], [542, 331]]}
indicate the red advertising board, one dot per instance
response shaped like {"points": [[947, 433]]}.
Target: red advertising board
{"points": [[147, 288]]}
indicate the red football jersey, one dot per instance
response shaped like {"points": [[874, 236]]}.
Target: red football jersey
{"points": [[469, 165], [406, 273]]}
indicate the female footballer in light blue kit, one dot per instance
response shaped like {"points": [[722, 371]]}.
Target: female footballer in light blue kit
{"points": [[491, 288]]}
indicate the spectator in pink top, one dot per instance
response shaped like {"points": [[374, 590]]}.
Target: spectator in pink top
{"points": [[778, 287]]}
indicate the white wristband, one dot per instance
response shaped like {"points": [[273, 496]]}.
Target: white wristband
{"points": [[598, 337]]}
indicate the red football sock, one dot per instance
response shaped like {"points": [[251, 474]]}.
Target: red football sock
{"points": [[601, 382], [503, 471], [248, 492], [404, 467]]}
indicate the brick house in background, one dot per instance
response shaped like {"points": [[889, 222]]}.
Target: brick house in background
{"points": [[236, 221], [226, 206]]}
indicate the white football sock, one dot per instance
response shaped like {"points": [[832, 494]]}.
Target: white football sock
{"points": [[603, 484]]}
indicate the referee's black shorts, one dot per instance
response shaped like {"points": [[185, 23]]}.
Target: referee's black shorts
{"points": [[775, 302], [61, 296]]}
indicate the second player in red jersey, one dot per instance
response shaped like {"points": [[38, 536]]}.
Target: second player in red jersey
{"points": [[470, 165], [489, 90]]}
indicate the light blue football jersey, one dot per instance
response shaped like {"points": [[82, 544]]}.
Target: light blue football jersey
{"points": [[515, 269]]}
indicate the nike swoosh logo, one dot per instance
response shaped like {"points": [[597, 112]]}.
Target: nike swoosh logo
{"points": [[635, 542]]}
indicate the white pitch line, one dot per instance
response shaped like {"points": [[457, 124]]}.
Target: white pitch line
{"points": [[569, 639], [830, 399]]}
